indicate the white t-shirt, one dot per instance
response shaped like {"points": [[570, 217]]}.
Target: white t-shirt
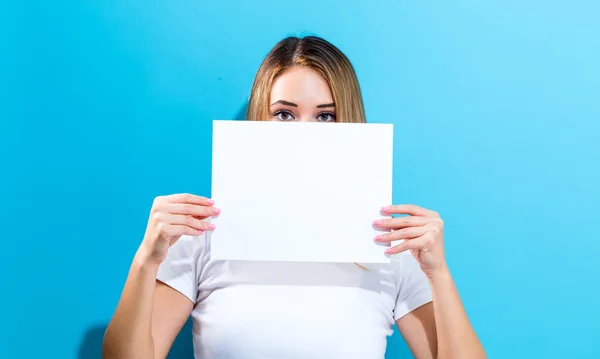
{"points": [[256, 310]]}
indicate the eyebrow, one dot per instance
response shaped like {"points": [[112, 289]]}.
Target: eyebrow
{"points": [[287, 103], [326, 105], [283, 102]]}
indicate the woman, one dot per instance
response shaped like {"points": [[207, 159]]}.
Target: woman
{"points": [[290, 310]]}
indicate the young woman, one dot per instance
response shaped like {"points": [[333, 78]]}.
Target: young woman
{"points": [[290, 310]]}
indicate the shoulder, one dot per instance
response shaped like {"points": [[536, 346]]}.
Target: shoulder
{"points": [[404, 266], [188, 245], [187, 250], [183, 265], [413, 288]]}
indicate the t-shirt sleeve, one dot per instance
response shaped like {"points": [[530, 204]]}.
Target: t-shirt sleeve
{"points": [[181, 269], [413, 286]]}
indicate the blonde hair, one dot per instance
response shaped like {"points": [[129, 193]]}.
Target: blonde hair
{"points": [[320, 56], [323, 58]]}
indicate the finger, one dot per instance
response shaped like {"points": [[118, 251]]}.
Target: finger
{"points": [[182, 230], [178, 219], [401, 222], [410, 209], [192, 210], [404, 233], [406, 245], [189, 198]]}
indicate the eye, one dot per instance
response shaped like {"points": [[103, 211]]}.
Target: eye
{"points": [[283, 115], [326, 117]]}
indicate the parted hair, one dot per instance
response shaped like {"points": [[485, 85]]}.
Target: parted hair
{"points": [[322, 57]]}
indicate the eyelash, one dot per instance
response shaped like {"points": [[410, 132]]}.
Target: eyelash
{"points": [[277, 113], [330, 114], [327, 113]]}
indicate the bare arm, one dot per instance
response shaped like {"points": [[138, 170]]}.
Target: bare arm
{"points": [[418, 330], [441, 329], [445, 322], [171, 310], [456, 337], [150, 314], [148, 317]]}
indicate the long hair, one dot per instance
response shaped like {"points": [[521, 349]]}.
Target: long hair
{"points": [[323, 58], [320, 56]]}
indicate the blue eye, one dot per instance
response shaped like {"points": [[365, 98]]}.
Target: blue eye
{"points": [[283, 115], [326, 117]]}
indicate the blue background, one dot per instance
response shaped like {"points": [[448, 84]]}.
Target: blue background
{"points": [[496, 106]]}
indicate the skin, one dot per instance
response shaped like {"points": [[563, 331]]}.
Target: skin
{"points": [[150, 314], [301, 95]]}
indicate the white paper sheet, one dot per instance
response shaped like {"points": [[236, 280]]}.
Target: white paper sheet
{"points": [[305, 192]]}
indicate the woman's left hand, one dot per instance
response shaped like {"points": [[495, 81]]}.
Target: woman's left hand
{"points": [[422, 231]]}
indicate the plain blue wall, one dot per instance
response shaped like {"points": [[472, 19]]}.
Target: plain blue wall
{"points": [[496, 106]]}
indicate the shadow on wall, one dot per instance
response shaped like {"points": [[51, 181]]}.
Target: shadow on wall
{"points": [[241, 114], [91, 345]]}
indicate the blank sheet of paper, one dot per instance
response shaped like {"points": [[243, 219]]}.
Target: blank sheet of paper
{"points": [[304, 192]]}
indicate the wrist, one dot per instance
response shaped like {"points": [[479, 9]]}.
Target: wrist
{"points": [[145, 263], [439, 274]]}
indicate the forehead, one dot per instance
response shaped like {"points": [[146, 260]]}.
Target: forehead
{"points": [[301, 85]]}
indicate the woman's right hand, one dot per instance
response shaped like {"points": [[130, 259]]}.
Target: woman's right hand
{"points": [[172, 217]]}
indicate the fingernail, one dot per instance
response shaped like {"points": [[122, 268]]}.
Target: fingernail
{"points": [[386, 208], [377, 222], [379, 237], [212, 226], [216, 210], [388, 251], [210, 201]]}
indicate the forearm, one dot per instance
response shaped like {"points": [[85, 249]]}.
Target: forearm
{"points": [[129, 333], [455, 335]]}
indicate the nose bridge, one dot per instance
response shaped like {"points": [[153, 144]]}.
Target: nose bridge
{"points": [[305, 112], [306, 116]]}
